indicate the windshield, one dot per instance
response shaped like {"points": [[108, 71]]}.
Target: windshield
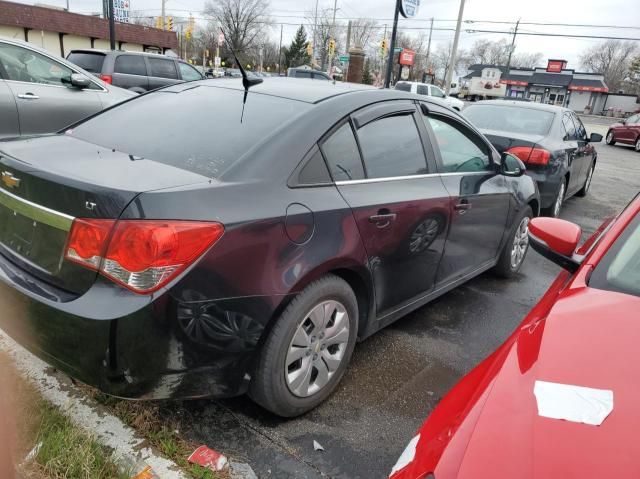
{"points": [[619, 270], [198, 129], [510, 119]]}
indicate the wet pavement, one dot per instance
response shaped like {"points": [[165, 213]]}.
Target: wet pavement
{"points": [[397, 376]]}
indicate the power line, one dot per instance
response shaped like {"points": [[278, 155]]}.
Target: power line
{"points": [[564, 35]]}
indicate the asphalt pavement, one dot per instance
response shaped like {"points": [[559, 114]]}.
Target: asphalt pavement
{"points": [[397, 376]]}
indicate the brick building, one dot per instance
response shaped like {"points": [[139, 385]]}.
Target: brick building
{"points": [[59, 31]]}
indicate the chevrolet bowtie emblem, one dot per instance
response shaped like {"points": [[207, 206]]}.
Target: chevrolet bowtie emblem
{"points": [[9, 180]]}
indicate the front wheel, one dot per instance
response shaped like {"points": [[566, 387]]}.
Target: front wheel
{"points": [[637, 145], [587, 183], [610, 140], [554, 210], [515, 250], [308, 349]]}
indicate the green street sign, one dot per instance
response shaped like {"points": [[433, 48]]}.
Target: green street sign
{"points": [[397, 49], [343, 58]]}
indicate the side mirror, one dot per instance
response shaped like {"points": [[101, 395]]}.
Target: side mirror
{"points": [[556, 240], [595, 138], [511, 165], [79, 81]]}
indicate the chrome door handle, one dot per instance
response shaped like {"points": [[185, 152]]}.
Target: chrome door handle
{"points": [[382, 220], [28, 96], [462, 207]]}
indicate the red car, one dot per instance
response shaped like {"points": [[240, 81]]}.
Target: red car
{"points": [[626, 132], [561, 397]]}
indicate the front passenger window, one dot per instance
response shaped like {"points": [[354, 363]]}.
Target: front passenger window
{"points": [[25, 65], [461, 151]]}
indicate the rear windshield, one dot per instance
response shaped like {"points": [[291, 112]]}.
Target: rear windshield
{"points": [[619, 270], [403, 86], [92, 62], [198, 130], [510, 118]]}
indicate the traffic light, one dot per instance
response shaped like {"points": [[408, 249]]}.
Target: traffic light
{"points": [[384, 46], [159, 23], [309, 49], [189, 32], [332, 46], [170, 23]]}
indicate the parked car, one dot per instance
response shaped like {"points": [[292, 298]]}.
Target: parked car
{"points": [[308, 73], [427, 89], [550, 140], [233, 72], [135, 71], [145, 272], [40, 93], [582, 334], [628, 132]]}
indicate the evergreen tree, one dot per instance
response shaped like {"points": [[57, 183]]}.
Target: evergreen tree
{"points": [[296, 54], [367, 79]]}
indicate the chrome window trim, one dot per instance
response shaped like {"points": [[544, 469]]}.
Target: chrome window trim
{"points": [[409, 177], [36, 212]]}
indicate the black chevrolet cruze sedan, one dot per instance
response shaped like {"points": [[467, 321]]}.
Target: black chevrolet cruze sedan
{"points": [[186, 244]]}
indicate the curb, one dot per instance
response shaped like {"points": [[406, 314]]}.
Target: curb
{"points": [[130, 450]]}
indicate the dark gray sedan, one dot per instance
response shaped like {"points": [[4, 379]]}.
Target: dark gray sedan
{"points": [[550, 140], [41, 93]]}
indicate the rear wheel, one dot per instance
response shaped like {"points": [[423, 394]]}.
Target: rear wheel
{"points": [[308, 349], [587, 183], [637, 145], [515, 250], [554, 209], [610, 140]]}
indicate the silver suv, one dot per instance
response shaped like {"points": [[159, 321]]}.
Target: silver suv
{"points": [[41, 93], [138, 72]]}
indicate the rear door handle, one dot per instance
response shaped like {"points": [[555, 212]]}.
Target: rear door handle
{"points": [[463, 206], [28, 96], [382, 220]]}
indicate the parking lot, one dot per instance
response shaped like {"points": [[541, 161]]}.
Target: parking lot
{"points": [[397, 376]]}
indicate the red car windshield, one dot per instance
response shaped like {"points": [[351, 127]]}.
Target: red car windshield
{"points": [[619, 270]]}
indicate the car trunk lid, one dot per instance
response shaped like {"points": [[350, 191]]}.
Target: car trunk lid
{"points": [[48, 181]]}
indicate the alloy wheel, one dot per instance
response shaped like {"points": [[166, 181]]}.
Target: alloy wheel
{"points": [[520, 243], [558, 204], [587, 184], [317, 348], [610, 137], [638, 144]]}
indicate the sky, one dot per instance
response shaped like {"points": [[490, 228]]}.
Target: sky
{"points": [[445, 12]]}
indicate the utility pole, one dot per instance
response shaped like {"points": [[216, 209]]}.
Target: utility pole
{"points": [[280, 50], [392, 45], [344, 74], [333, 36], [429, 44], [112, 27], [382, 57], [513, 44], [454, 50], [315, 27], [164, 27]]}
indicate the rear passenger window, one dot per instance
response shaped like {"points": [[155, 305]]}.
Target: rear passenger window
{"points": [[461, 150], [314, 172], [130, 64], [569, 127], [581, 132], [392, 147], [423, 90], [303, 74], [342, 155], [162, 68]]}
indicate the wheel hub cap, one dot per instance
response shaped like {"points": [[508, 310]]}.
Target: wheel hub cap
{"points": [[317, 348], [520, 243]]}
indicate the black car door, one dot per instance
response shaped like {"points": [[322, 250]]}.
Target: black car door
{"points": [[586, 151], [574, 151], [400, 206], [479, 197]]}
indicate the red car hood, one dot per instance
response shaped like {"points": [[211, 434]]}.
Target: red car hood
{"points": [[590, 338]]}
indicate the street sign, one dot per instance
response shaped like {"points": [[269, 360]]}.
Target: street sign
{"points": [[220, 39], [216, 62], [397, 49], [405, 74], [343, 58], [407, 57], [409, 8]]}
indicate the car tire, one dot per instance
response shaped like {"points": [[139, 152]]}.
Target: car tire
{"points": [[515, 250], [637, 144], [280, 382], [587, 182], [609, 138], [554, 210]]}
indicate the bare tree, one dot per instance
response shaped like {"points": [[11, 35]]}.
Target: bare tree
{"points": [[612, 59], [526, 60], [441, 58], [489, 52], [362, 30], [324, 31], [243, 22]]}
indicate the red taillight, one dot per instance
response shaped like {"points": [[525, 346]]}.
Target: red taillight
{"points": [[531, 156], [107, 79], [139, 254]]}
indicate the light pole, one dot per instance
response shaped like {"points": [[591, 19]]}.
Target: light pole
{"points": [[392, 45], [454, 50]]}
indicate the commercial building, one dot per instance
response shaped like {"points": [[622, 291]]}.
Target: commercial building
{"points": [[59, 31], [554, 84]]}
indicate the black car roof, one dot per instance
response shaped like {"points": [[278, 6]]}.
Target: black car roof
{"points": [[305, 90], [522, 104]]}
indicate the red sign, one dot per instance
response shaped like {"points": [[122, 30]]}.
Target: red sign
{"points": [[556, 66], [588, 88], [407, 57], [514, 82]]}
